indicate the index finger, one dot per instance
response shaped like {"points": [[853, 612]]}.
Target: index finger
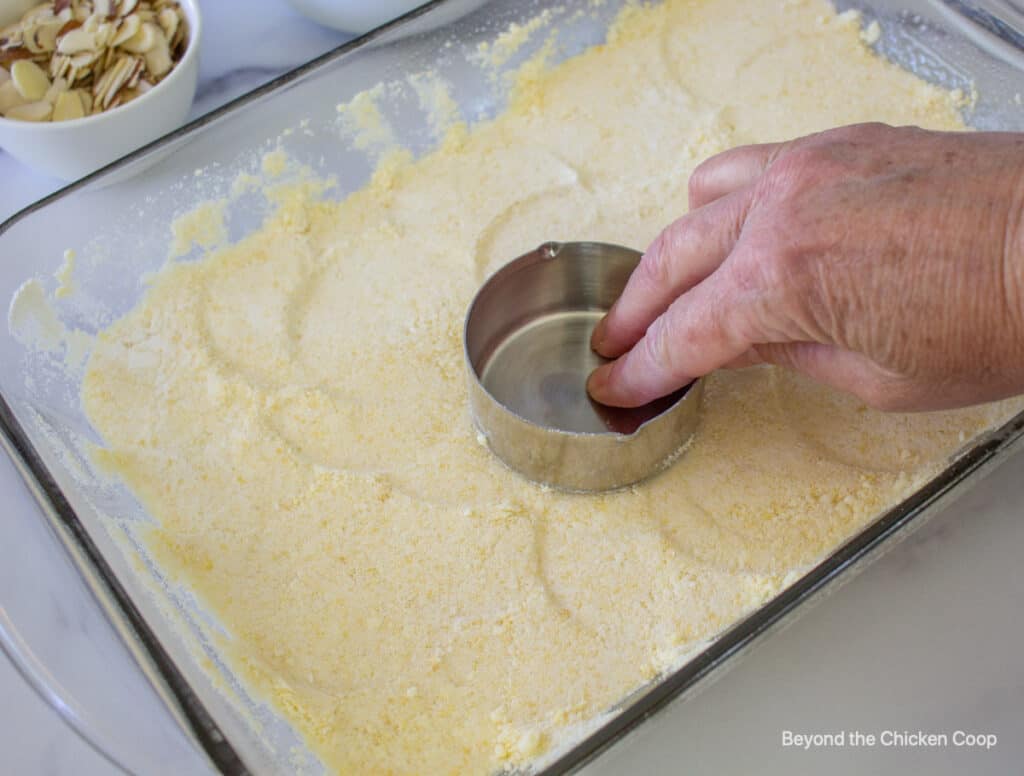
{"points": [[699, 333], [685, 253], [730, 171]]}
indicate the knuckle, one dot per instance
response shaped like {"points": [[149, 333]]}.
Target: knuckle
{"points": [[785, 178], [658, 266], [814, 164], [801, 160], [653, 269], [784, 264], [700, 180], [864, 131], [873, 130], [658, 346], [803, 165], [688, 232], [777, 283]]}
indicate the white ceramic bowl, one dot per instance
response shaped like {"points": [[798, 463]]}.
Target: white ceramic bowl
{"points": [[72, 149], [354, 16]]}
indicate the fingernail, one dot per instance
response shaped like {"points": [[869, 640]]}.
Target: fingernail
{"points": [[597, 383], [598, 335]]}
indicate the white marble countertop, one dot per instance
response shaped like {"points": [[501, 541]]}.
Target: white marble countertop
{"points": [[926, 639]]}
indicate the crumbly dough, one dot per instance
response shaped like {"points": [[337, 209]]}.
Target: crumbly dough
{"points": [[292, 409]]}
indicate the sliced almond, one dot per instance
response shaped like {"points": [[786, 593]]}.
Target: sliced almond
{"points": [[102, 85], [105, 52], [68, 107], [11, 34], [36, 12], [106, 88], [137, 72], [143, 40], [45, 35], [104, 33], [59, 66], [136, 76], [58, 87], [158, 58], [127, 27], [33, 45], [77, 41], [168, 19], [10, 55], [181, 34], [83, 59], [9, 97], [30, 81], [30, 111], [81, 77], [80, 10], [108, 60]]}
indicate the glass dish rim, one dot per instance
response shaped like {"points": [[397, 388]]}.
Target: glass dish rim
{"points": [[167, 679]]}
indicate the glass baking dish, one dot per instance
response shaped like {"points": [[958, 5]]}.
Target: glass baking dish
{"points": [[119, 223]]}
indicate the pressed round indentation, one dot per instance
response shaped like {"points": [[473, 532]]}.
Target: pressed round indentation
{"points": [[872, 440], [561, 212]]}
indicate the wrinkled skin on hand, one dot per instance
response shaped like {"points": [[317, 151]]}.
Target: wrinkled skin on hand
{"points": [[886, 262]]}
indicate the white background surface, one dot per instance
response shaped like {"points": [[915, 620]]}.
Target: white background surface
{"points": [[928, 638]]}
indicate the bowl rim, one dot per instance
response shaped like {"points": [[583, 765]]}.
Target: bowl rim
{"points": [[195, 21]]}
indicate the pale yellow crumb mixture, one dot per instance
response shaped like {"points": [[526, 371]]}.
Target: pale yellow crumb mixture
{"points": [[293, 411]]}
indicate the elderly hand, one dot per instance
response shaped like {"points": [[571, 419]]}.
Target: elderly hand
{"points": [[886, 262]]}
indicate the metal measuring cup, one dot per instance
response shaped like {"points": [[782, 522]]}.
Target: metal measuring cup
{"points": [[527, 346]]}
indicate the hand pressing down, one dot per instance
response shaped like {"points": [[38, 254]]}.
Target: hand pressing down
{"points": [[886, 262]]}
